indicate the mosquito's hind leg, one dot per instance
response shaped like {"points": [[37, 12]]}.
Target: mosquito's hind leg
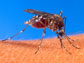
{"points": [[44, 31], [71, 42], [64, 23], [16, 34]]}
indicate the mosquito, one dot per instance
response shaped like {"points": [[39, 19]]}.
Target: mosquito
{"points": [[54, 22]]}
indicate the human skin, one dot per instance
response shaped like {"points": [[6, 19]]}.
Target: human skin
{"points": [[50, 51]]}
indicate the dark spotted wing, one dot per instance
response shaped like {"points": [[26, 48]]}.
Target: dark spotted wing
{"points": [[38, 12]]}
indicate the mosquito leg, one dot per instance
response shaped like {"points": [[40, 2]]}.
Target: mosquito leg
{"points": [[70, 38], [63, 46], [64, 23], [16, 34], [61, 43], [70, 42], [64, 28], [57, 34], [59, 38], [44, 31], [60, 13]]}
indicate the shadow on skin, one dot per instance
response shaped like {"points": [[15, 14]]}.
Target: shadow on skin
{"points": [[18, 43], [27, 44]]}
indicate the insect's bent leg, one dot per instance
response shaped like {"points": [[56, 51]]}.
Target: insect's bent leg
{"points": [[67, 36], [70, 38], [16, 34], [71, 43], [44, 31], [64, 23]]}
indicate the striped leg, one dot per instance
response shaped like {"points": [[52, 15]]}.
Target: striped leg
{"points": [[71, 42], [62, 46], [64, 23], [16, 34], [44, 31]]}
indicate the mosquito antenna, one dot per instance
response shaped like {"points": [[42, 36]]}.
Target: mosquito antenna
{"points": [[70, 41], [16, 34]]}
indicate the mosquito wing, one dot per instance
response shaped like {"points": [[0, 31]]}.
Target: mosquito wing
{"points": [[38, 12]]}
